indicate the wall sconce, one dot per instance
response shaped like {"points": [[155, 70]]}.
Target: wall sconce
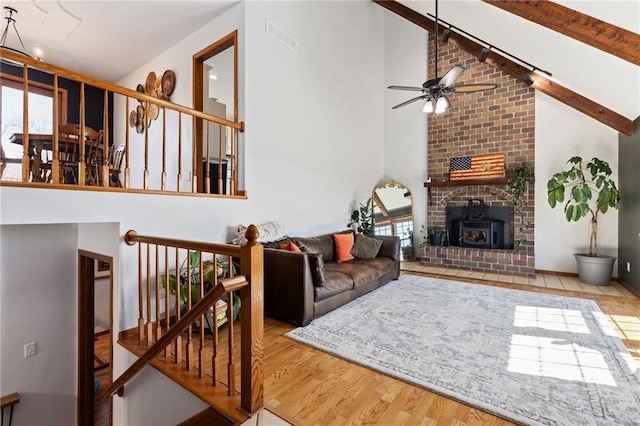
{"points": [[528, 79], [483, 55], [445, 35]]}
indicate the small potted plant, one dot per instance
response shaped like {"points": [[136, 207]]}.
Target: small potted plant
{"points": [[435, 234], [362, 218], [590, 190]]}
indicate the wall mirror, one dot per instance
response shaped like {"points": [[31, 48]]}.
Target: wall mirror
{"points": [[216, 93], [393, 215]]}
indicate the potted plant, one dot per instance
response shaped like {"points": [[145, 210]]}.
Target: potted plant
{"points": [[363, 218], [435, 234], [590, 191], [517, 187]]}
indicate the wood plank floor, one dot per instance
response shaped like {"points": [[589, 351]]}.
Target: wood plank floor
{"points": [[309, 387]]}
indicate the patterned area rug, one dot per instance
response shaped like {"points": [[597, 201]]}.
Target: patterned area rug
{"points": [[531, 358]]}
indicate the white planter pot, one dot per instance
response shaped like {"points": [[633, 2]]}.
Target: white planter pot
{"points": [[595, 270]]}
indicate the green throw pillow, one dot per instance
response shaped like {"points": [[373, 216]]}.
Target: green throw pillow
{"points": [[366, 247]]}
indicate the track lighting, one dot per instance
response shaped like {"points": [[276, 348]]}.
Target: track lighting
{"points": [[528, 79], [483, 55], [445, 35]]}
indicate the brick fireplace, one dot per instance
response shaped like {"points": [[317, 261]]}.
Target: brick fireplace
{"points": [[500, 121]]}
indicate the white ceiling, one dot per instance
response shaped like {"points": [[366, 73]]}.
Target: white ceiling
{"points": [[106, 39]]}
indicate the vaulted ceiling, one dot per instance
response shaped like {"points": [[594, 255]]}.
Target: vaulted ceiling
{"points": [[609, 38]]}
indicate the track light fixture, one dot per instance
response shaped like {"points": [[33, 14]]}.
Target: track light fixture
{"points": [[483, 54], [528, 79], [8, 15], [445, 35]]}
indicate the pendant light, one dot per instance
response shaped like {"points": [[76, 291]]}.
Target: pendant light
{"points": [[8, 15]]}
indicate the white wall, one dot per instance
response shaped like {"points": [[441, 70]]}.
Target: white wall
{"points": [[38, 303], [562, 133], [405, 128]]}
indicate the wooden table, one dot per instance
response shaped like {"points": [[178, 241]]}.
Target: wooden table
{"points": [[44, 142]]}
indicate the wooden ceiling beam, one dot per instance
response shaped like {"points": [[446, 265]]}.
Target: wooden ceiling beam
{"points": [[587, 29], [541, 82]]}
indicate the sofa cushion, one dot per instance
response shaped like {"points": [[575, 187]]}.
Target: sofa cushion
{"points": [[344, 244], [321, 244], [336, 283], [366, 247], [289, 246], [316, 264]]}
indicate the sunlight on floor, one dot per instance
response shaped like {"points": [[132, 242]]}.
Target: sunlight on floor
{"points": [[551, 357], [550, 319]]}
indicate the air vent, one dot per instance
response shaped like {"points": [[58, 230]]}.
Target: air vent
{"points": [[277, 33]]}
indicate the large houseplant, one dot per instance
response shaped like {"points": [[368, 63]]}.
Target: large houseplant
{"points": [[363, 218], [590, 190]]}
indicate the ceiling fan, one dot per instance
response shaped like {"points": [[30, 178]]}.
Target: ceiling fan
{"points": [[435, 90]]}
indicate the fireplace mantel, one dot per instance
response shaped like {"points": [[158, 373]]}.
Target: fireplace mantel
{"points": [[463, 182]]}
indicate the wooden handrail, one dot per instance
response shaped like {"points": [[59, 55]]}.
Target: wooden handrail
{"points": [[224, 286], [54, 69], [132, 237]]}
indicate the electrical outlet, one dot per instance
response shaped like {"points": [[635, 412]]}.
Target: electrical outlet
{"points": [[29, 349], [628, 266]]}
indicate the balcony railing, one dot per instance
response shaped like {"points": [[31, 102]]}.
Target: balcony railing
{"points": [[162, 151]]}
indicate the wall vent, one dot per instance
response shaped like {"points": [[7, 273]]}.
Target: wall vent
{"points": [[277, 33]]}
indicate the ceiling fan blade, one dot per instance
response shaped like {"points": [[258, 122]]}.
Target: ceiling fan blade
{"points": [[416, 89], [469, 88], [410, 101], [452, 75]]}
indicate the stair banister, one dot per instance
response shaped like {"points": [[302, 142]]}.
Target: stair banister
{"points": [[224, 286]]}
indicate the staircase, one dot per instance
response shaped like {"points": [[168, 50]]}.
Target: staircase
{"points": [[224, 366]]}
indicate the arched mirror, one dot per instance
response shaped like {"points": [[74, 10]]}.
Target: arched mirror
{"points": [[393, 215]]}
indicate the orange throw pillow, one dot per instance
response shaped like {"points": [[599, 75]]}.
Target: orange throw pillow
{"points": [[344, 244], [289, 246]]}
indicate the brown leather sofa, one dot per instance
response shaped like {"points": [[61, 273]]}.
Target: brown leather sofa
{"points": [[301, 286]]}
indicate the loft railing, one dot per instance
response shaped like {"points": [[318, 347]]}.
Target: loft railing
{"points": [[167, 326], [156, 152]]}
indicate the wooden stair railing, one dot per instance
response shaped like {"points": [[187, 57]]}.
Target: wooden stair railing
{"points": [[223, 287], [170, 176], [167, 329]]}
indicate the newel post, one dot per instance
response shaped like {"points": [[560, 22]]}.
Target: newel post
{"points": [[252, 321]]}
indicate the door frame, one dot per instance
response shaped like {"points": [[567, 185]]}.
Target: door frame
{"points": [[86, 313]]}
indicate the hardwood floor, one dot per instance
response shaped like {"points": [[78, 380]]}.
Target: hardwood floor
{"points": [[101, 405], [310, 387]]}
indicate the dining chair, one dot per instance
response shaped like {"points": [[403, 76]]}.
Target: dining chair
{"points": [[69, 153], [115, 164]]}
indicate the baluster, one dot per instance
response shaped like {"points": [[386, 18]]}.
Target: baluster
{"points": [[221, 153], [127, 171], [145, 180], [214, 338], [82, 138], [163, 179], [207, 180], [178, 342], [194, 163], [55, 167], [149, 331], [231, 369], [140, 314], [179, 180], [202, 321], [189, 331], [167, 297], [26, 161], [233, 159], [104, 174], [158, 327]]}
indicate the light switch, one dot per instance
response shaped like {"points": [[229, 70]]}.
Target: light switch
{"points": [[29, 349]]}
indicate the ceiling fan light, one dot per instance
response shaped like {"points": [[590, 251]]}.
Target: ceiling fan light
{"points": [[428, 107], [442, 105]]}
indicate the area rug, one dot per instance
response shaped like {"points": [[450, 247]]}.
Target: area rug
{"points": [[531, 358]]}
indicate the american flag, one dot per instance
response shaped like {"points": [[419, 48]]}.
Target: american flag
{"points": [[477, 167]]}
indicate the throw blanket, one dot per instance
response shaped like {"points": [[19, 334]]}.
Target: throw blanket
{"points": [[268, 231]]}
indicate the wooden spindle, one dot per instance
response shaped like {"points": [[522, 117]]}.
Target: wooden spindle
{"points": [[145, 180], [26, 159], [194, 162], [158, 328], [221, 154], [179, 179], [231, 369], [178, 342], [167, 296], [140, 313], [163, 178], [82, 166], [55, 167], [127, 170], [234, 162], [149, 325], [202, 321], [105, 141], [189, 348], [207, 180]]}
